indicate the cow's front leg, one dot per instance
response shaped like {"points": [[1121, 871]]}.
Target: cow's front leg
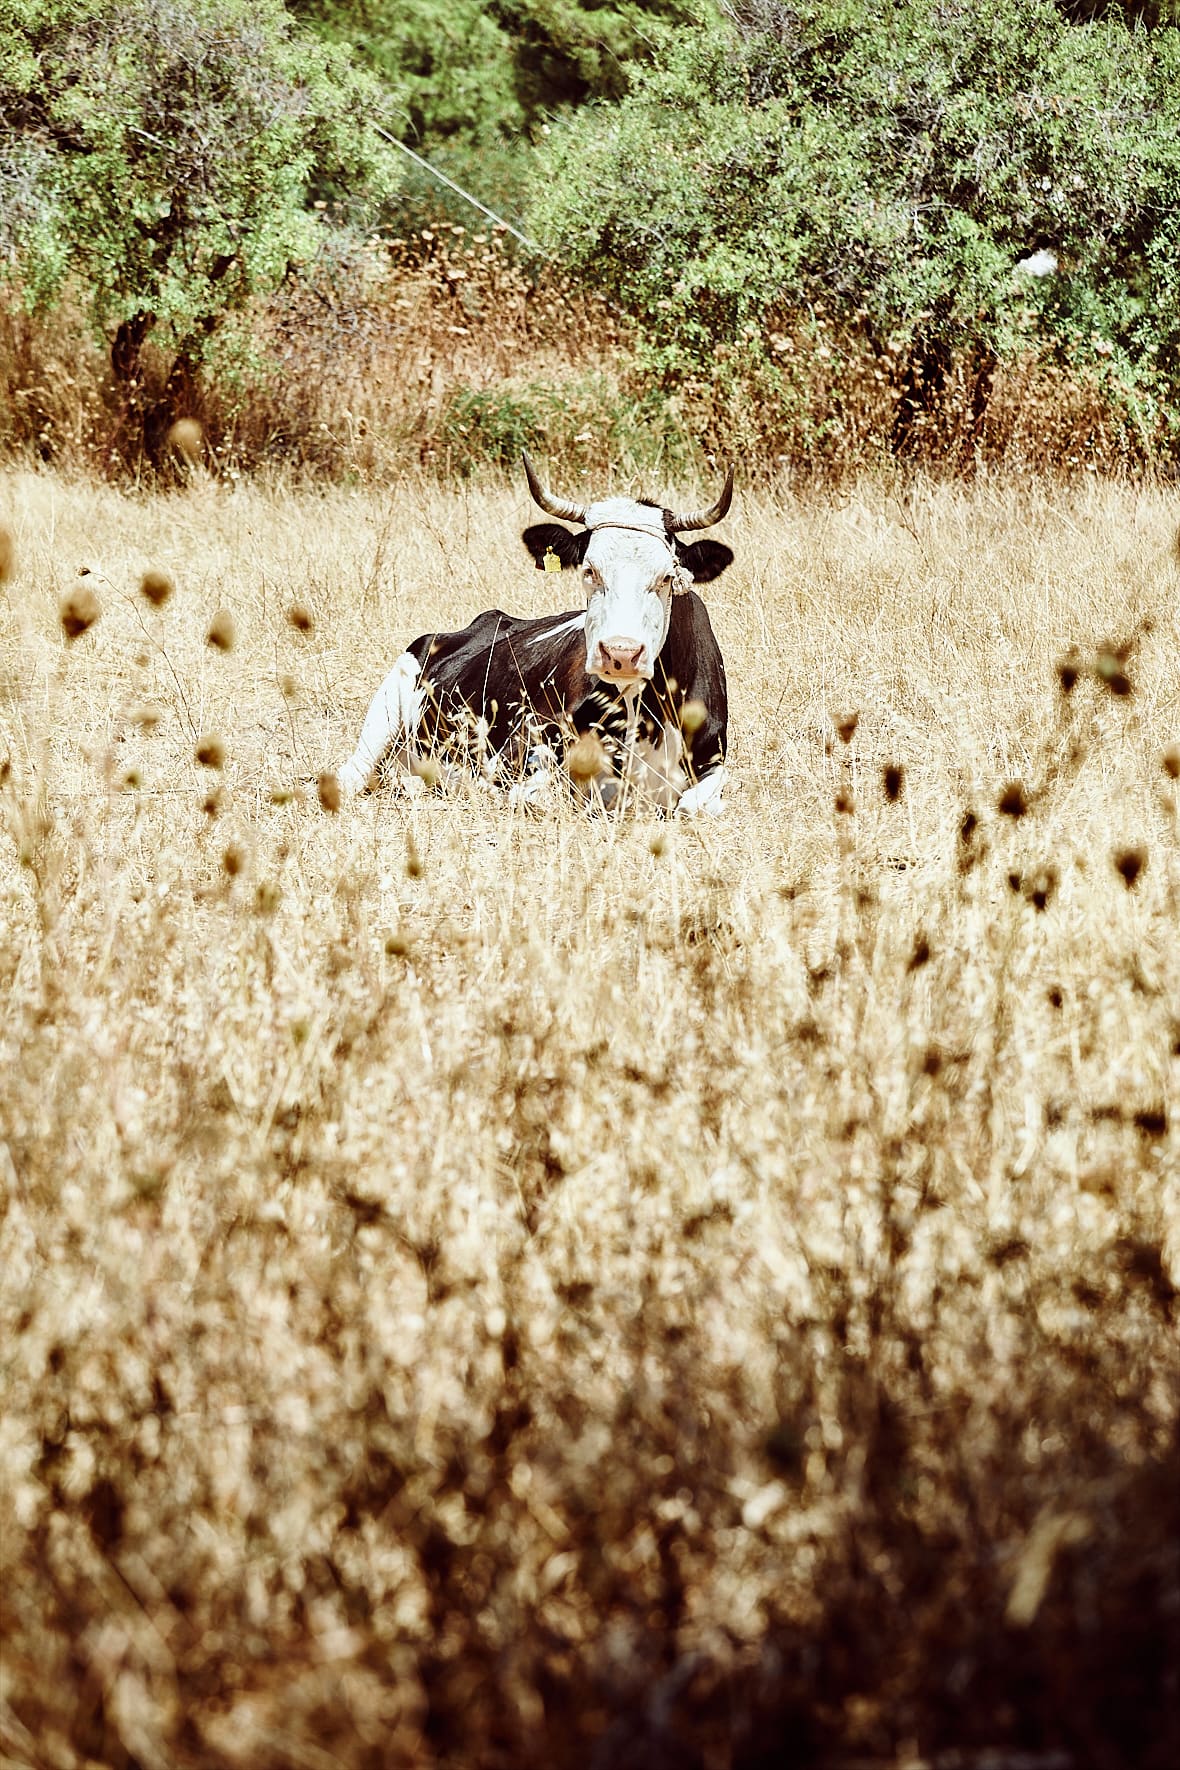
{"points": [[705, 797], [390, 723]]}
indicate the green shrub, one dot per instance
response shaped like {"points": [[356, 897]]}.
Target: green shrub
{"points": [[886, 167], [164, 159]]}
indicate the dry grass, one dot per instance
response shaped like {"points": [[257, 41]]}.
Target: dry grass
{"points": [[483, 1289]]}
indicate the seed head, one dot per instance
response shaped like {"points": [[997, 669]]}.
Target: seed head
{"points": [[266, 897], [427, 770], [587, 758], [211, 803], [210, 752], [221, 632], [1040, 886], [155, 587], [300, 618], [145, 716], [1067, 674], [7, 554], [328, 788], [1129, 863], [846, 727], [920, 955], [233, 860], [413, 858], [1108, 668], [187, 439], [692, 716], [79, 611], [893, 779], [1172, 762], [1012, 801]]}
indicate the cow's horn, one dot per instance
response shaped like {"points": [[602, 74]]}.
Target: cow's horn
{"points": [[676, 523], [562, 507]]}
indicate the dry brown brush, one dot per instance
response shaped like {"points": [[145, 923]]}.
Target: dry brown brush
{"points": [[483, 1289], [441, 350]]}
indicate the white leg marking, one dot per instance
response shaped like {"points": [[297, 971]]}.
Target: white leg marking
{"points": [[655, 769], [392, 719], [538, 783], [705, 796]]}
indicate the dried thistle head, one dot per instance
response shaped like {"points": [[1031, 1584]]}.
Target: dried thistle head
{"points": [[1039, 887], [893, 781], [1013, 801], [210, 751], [7, 555], [328, 789], [233, 860], [1129, 864], [1108, 668], [846, 726], [79, 611], [1067, 673], [155, 587], [586, 758], [1171, 762], [300, 618], [187, 439], [222, 633]]}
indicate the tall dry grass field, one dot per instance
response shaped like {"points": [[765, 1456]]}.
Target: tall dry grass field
{"points": [[488, 1289]]}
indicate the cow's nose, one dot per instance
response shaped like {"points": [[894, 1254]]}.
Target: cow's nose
{"points": [[621, 657]]}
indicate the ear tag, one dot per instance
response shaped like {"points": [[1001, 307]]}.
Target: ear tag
{"points": [[552, 563]]}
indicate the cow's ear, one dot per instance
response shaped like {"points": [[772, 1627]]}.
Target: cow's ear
{"points": [[706, 560], [550, 537]]}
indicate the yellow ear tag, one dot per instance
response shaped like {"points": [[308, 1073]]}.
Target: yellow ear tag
{"points": [[552, 563]]}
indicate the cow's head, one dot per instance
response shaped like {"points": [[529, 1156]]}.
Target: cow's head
{"points": [[633, 563]]}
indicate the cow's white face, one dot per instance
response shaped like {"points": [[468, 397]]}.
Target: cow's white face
{"points": [[632, 565], [629, 574]]}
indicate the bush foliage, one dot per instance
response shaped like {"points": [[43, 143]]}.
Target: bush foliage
{"points": [[884, 169], [167, 159]]}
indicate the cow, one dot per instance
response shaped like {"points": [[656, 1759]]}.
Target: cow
{"points": [[634, 682]]}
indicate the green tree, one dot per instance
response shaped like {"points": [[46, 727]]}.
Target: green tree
{"points": [[887, 164], [471, 83], [163, 157]]}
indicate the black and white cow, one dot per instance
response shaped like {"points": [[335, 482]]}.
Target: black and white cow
{"points": [[639, 666]]}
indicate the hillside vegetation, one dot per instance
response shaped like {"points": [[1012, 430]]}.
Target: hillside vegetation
{"points": [[842, 234], [494, 1290]]}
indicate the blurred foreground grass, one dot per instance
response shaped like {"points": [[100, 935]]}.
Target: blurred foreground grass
{"points": [[479, 1289]]}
